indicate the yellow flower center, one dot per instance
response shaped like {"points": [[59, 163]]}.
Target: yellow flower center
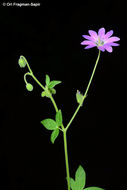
{"points": [[99, 42]]}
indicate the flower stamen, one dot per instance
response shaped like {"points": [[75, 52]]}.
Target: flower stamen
{"points": [[99, 42]]}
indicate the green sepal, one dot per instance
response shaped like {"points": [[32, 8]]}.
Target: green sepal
{"points": [[47, 80], [59, 118], [93, 188], [29, 86], [49, 124], [22, 61], [53, 83], [54, 135]]}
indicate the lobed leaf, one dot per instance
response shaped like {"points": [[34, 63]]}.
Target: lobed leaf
{"points": [[49, 124], [59, 118], [53, 83], [54, 135], [73, 184]]}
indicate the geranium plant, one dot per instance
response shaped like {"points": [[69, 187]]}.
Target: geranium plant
{"points": [[103, 41]]}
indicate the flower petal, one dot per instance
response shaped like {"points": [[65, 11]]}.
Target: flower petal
{"points": [[89, 46], [87, 37], [113, 44], [108, 48], [87, 42], [101, 32], [101, 48], [93, 34], [113, 39], [108, 34]]}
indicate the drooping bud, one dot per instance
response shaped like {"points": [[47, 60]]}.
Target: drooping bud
{"points": [[22, 62], [29, 87]]}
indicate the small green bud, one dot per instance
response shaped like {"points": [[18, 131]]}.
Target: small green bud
{"points": [[52, 90], [43, 94], [79, 97], [29, 87], [47, 92], [22, 62]]}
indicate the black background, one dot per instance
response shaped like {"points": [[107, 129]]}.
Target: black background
{"points": [[49, 36]]}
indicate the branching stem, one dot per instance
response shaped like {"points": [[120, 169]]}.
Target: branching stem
{"points": [[63, 129], [85, 94]]}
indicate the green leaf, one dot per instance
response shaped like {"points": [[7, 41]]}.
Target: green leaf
{"points": [[29, 87], [80, 178], [79, 97], [54, 135], [53, 83], [73, 184], [49, 124], [59, 118], [47, 80], [93, 188], [22, 61]]}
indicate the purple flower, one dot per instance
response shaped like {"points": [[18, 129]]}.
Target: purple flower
{"points": [[101, 40]]}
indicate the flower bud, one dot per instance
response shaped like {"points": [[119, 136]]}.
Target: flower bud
{"points": [[43, 94], [21, 62], [52, 90], [29, 87], [79, 97]]}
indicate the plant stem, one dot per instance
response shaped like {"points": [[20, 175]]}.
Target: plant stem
{"points": [[38, 81], [52, 99], [56, 109], [85, 94], [66, 158], [25, 76], [31, 73], [54, 103], [62, 126], [64, 133]]}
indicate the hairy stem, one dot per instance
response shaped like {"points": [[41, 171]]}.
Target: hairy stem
{"points": [[85, 94]]}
